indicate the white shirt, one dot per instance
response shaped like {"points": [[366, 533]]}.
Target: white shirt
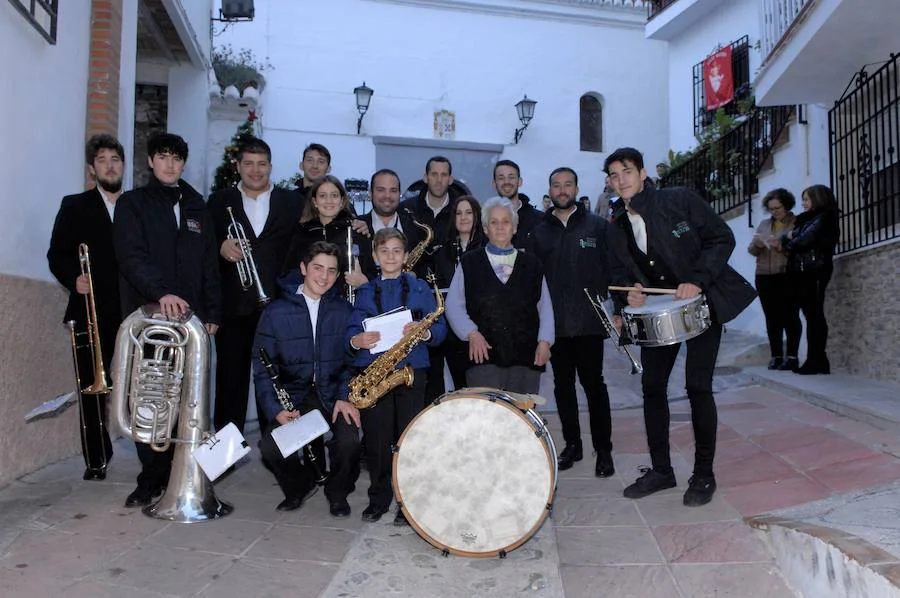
{"points": [[639, 228], [444, 203], [257, 210], [312, 305], [378, 223], [110, 204]]}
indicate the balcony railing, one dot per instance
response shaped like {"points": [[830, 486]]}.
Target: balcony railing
{"points": [[725, 171], [654, 7], [778, 18]]}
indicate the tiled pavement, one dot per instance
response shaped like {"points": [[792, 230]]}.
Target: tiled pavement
{"points": [[60, 536]]}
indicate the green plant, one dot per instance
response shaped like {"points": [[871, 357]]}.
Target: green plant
{"points": [[240, 69], [226, 175]]}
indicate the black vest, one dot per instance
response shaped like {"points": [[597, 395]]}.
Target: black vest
{"points": [[506, 314], [651, 264]]}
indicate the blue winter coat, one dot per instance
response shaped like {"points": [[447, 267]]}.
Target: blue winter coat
{"points": [[420, 301], [285, 331]]}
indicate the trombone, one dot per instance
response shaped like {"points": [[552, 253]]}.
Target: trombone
{"points": [[246, 266], [100, 385], [607, 321]]}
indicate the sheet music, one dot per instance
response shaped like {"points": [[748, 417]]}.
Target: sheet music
{"points": [[390, 325], [53, 407]]}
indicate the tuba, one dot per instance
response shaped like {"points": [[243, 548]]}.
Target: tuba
{"points": [[161, 374], [419, 250], [380, 377]]}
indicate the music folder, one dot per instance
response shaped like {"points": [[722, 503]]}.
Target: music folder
{"points": [[220, 451], [292, 437]]}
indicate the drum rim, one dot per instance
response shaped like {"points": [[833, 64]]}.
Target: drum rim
{"points": [[545, 513], [677, 304]]}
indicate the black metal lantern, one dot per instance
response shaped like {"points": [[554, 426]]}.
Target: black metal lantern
{"points": [[525, 110], [363, 95]]}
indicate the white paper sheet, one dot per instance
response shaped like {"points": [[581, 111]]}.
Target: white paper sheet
{"points": [[390, 325], [300, 432], [222, 450]]}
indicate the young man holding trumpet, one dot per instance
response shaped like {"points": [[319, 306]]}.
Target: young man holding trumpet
{"points": [[673, 240]]}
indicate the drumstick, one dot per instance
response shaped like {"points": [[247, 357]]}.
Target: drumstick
{"points": [[649, 290]]}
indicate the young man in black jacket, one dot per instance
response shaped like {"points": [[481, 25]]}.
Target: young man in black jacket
{"points": [[671, 238], [507, 181], [268, 216], [167, 254], [87, 218], [571, 244]]}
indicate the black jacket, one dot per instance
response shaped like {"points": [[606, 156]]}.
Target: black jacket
{"points": [[157, 257], [285, 331], [812, 241], [417, 205], [269, 249], [575, 257], [450, 254], [307, 233], [695, 244], [413, 233], [529, 217]]}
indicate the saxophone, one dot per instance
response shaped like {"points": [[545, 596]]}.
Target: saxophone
{"points": [[419, 250], [380, 377]]}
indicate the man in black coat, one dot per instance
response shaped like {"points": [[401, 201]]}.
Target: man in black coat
{"points": [[87, 218], [167, 254], [671, 238], [571, 244], [268, 217], [507, 182]]}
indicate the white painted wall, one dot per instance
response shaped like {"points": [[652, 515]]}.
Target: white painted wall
{"points": [[42, 158], [189, 117], [420, 59], [127, 92]]}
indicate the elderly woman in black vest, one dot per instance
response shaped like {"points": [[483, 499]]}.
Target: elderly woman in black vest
{"points": [[499, 302]]}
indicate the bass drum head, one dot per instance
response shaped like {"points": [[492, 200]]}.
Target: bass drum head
{"points": [[474, 476]]}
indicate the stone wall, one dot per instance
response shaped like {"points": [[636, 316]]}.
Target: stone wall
{"points": [[35, 366], [863, 311]]}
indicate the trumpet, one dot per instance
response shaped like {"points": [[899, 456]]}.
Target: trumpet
{"points": [[246, 266], [610, 327], [100, 385]]}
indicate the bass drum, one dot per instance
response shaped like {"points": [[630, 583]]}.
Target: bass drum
{"points": [[475, 474]]}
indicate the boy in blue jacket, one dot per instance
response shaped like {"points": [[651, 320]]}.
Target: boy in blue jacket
{"points": [[303, 333], [384, 422]]}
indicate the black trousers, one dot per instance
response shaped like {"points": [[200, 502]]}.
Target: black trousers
{"points": [[456, 352], [699, 368], [782, 314], [155, 467], [434, 387], [96, 447], [234, 353], [295, 475], [582, 355], [808, 292], [383, 424]]}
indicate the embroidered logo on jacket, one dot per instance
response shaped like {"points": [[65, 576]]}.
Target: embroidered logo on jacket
{"points": [[193, 225], [680, 229], [588, 242]]}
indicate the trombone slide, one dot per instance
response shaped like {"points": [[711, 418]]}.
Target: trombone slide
{"points": [[610, 327]]}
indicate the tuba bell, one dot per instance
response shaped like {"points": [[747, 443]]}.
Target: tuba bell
{"points": [[161, 378]]}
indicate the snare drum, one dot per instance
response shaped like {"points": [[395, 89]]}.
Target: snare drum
{"points": [[474, 474], [662, 321]]}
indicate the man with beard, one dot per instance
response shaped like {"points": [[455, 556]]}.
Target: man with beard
{"points": [[570, 242], [385, 213], [267, 215], [507, 181], [166, 247], [88, 218]]}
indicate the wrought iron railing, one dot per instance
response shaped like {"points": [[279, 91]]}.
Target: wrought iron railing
{"points": [[654, 7], [42, 14], [864, 129], [740, 76], [778, 17], [725, 171]]}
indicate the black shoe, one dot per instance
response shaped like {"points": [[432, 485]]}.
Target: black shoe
{"points": [[604, 467], [373, 513], [569, 455], [339, 508], [812, 367], [790, 364], [294, 502], [700, 490], [652, 481], [94, 474], [141, 497], [400, 518], [775, 363]]}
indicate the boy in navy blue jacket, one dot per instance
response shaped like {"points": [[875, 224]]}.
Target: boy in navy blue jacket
{"points": [[303, 333], [384, 422]]}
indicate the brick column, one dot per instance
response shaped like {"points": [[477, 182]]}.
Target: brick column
{"points": [[103, 70]]}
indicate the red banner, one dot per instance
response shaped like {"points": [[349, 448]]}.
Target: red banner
{"points": [[718, 81]]}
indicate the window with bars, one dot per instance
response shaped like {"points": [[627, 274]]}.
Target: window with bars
{"points": [[42, 15], [740, 70], [591, 122]]}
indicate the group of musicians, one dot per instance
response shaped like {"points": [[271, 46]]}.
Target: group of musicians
{"points": [[509, 271]]}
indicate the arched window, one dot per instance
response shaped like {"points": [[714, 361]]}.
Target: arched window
{"points": [[591, 122]]}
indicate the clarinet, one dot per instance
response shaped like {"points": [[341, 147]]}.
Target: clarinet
{"points": [[285, 399]]}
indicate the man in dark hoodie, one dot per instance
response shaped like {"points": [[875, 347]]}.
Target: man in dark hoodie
{"points": [[167, 254], [303, 333], [507, 182]]}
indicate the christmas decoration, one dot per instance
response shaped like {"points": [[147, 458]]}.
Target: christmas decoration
{"points": [[226, 174]]}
